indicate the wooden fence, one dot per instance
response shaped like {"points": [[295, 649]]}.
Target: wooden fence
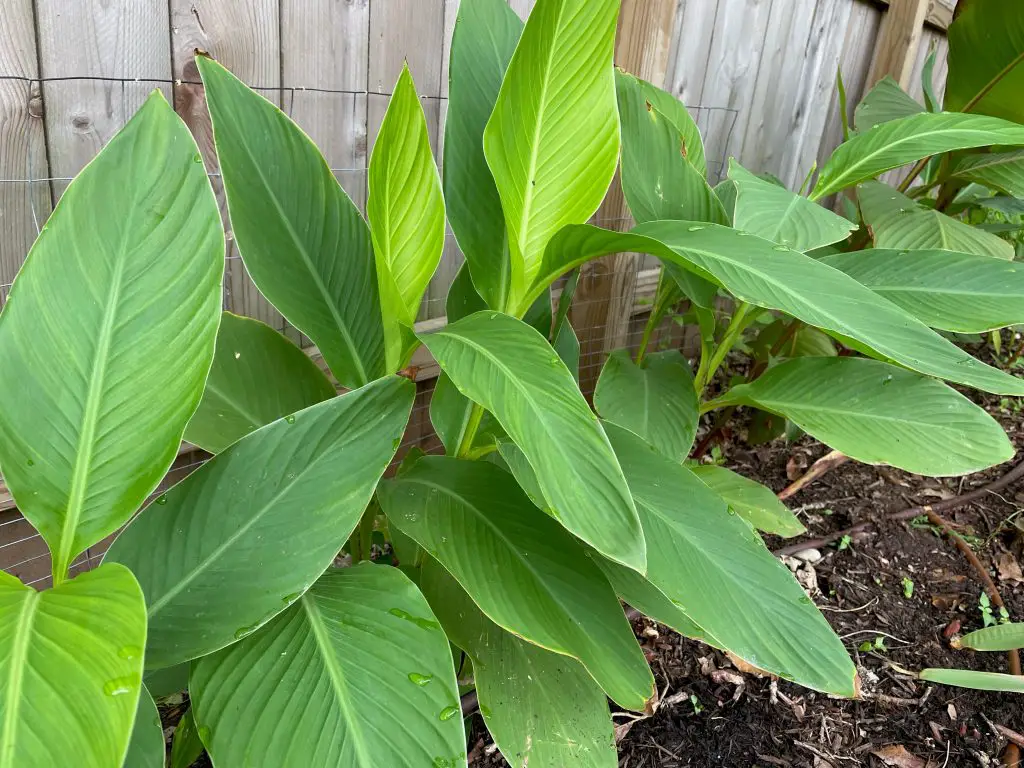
{"points": [[758, 74]]}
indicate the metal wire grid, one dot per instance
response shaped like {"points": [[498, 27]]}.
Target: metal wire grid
{"points": [[432, 307]]}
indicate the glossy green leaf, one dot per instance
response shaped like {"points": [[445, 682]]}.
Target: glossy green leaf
{"points": [[1002, 637], [356, 673], [986, 58], [146, 748], [999, 170], [755, 503], [515, 461], [774, 277], [167, 681], [567, 346], [884, 102], [655, 400], [538, 404], [774, 213], [303, 241], [263, 520], [907, 140], [542, 709], [692, 145], [898, 222], [658, 179], [472, 517], [257, 376], [552, 141], [636, 591], [108, 334], [186, 746], [71, 669], [715, 568], [931, 101], [979, 681], [486, 33], [880, 414], [958, 292], [406, 212]]}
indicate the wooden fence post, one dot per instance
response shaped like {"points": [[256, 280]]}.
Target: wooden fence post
{"points": [[604, 298], [898, 40]]}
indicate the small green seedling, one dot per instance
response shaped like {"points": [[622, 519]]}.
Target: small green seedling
{"points": [[908, 587], [878, 644]]}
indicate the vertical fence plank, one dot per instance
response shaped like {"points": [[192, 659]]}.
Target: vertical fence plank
{"points": [[817, 84], [694, 31], [730, 76], [765, 132], [245, 37], [604, 304], [412, 31], [324, 47], [23, 206], [104, 42], [898, 40]]}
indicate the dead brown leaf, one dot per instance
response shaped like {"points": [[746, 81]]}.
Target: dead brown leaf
{"points": [[1009, 569], [897, 756]]}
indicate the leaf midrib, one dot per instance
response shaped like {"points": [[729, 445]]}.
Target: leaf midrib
{"points": [[16, 663], [346, 336], [337, 677]]}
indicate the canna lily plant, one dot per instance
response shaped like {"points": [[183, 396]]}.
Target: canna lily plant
{"points": [[502, 565]]}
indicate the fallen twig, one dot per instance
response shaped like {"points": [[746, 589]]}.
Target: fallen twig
{"points": [[825, 464]]}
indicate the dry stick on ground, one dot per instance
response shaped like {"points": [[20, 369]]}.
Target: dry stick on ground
{"points": [[826, 463]]}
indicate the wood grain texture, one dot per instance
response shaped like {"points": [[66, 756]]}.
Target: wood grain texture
{"points": [[604, 296], [938, 16], [23, 206], [324, 45], [689, 56], [245, 37], [898, 41], [97, 39]]}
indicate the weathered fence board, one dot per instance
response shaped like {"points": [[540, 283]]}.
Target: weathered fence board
{"points": [[23, 207]]}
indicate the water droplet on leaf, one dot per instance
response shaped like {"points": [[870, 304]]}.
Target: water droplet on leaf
{"points": [[290, 419], [448, 713], [420, 679], [119, 686]]}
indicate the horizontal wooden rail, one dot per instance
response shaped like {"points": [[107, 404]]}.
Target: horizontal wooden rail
{"points": [[938, 15]]}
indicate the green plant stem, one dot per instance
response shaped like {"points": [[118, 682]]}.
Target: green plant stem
{"points": [[652, 322], [466, 446], [483, 450], [740, 320], [361, 540]]}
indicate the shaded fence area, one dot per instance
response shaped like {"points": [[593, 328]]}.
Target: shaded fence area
{"points": [[758, 75]]}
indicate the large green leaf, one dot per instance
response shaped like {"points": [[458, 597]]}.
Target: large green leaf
{"points": [[511, 370], [187, 746], [356, 673], [656, 400], [658, 179], [959, 292], [70, 669], [167, 681], [637, 591], [486, 33], [257, 376], [884, 102], [896, 221], [541, 708], [774, 213], [692, 145], [880, 414], [303, 241], [986, 41], [406, 212], [1000, 170], [755, 503], [979, 681], [108, 334], [907, 140], [775, 277], [715, 568], [241, 538], [1002, 637], [146, 748], [473, 518], [552, 141]]}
